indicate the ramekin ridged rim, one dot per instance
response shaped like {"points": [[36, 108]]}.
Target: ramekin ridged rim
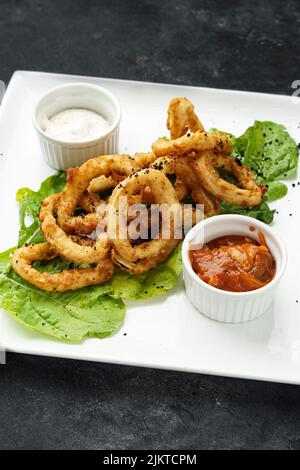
{"points": [[85, 143]]}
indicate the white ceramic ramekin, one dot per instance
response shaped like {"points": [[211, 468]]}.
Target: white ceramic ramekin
{"points": [[224, 306], [63, 155]]}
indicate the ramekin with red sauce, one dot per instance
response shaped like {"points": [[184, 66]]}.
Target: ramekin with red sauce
{"points": [[232, 267], [235, 263]]}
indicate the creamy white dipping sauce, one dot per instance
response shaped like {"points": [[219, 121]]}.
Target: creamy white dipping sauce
{"points": [[75, 125]]}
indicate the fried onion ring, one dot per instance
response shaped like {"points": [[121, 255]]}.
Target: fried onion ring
{"points": [[78, 182], [89, 202], [169, 167], [143, 265], [195, 142], [140, 258], [137, 162], [182, 117], [249, 194], [62, 243], [100, 184], [71, 279], [181, 167]]}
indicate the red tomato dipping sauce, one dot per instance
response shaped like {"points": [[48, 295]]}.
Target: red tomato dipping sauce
{"points": [[234, 263]]}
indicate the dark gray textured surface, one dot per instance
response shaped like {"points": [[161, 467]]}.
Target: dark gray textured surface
{"points": [[54, 403]]}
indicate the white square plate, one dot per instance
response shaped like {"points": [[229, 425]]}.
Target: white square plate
{"points": [[164, 332]]}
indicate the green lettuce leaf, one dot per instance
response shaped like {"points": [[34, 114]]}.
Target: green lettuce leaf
{"points": [[157, 281], [231, 136], [29, 206], [276, 190], [269, 150], [95, 311], [261, 212], [69, 316]]}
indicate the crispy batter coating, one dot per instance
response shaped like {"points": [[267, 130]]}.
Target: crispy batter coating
{"points": [[182, 117], [142, 265], [137, 259], [195, 142], [181, 167], [89, 202], [249, 194], [78, 181], [137, 162], [116, 167], [70, 279], [168, 166], [101, 183], [63, 244]]}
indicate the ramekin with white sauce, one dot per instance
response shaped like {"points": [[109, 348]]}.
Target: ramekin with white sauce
{"points": [[75, 122]]}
